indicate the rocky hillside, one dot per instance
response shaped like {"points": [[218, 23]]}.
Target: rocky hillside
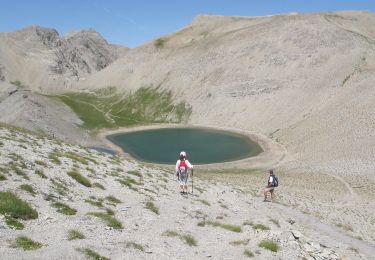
{"points": [[43, 60], [61, 201]]}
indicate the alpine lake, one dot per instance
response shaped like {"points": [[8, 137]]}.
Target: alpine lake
{"points": [[203, 146]]}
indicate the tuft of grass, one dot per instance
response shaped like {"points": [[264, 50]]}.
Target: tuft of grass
{"points": [[160, 43], [261, 227], [113, 200], [79, 178], [15, 207], [54, 157], [2, 177], [75, 157], [110, 220], [135, 246], [345, 227], [187, 239], [19, 172], [28, 188], [135, 173], [98, 202], [40, 162], [91, 254], [40, 174], [205, 202], [248, 253], [63, 208], [27, 244], [16, 83], [275, 221], [11, 222], [229, 227], [74, 234], [239, 242], [248, 223], [98, 185], [151, 206], [60, 186], [269, 245]]}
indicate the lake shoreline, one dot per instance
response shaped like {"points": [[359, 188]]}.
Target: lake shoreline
{"points": [[273, 153]]}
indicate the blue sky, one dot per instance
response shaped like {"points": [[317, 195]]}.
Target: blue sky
{"points": [[132, 23]]}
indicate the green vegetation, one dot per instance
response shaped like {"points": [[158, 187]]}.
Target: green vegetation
{"points": [[97, 202], [248, 253], [151, 206], [2, 177], [269, 245], [160, 43], [98, 185], [60, 186], [275, 221], [205, 202], [135, 173], [40, 174], [135, 246], [16, 83], [75, 157], [79, 178], [129, 182], [187, 239], [91, 254], [261, 227], [248, 223], [27, 244], [224, 226], [110, 220], [11, 222], [63, 208], [239, 242], [16, 208], [28, 188], [54, 157], [113, 200], [105, 108], [74, 234], [39, 162]]}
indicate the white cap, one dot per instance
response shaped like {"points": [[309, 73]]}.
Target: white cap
{"points": [[183, 153]]}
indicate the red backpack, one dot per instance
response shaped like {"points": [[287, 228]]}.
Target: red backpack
{"points": [[182, 167]]}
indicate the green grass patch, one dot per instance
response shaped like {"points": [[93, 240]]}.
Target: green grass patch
{"points": [[151, 206], [106, 108], [91, 254], [110, 220], [19, 172], [79, 178], [269, 245], [248, 253], [74, 234], [135, 246], [2, 177], [75, 157], [98, 185], [113, 199], [63, 208], [40, 173], [239, 242], [28, 188], [248, 223], [260, 227], [205, 202], [59, 186], [229, 227], [13, 223], [54, 157], [187, 239], [27, 244], [135, 173], [160, 43], [15, 207], [97, 202], [39, 162]]}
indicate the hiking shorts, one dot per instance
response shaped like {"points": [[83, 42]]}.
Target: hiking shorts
{"points": [[183, 178], [270, 189]]}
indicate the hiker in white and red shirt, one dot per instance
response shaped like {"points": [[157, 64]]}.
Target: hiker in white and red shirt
{"points": [[182, 167]]}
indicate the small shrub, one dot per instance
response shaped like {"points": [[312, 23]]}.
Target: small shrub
{"points": [[261, 227], [225, 226], [98, 185], [74, 234], [79, 178], [151, 206], [248, 253], [28, 188], [135, 246], [63, 208], [159, 43], [269, 245], [91, 254], [110, 220], [40, 174], [2, 177], [10, 204], [27, 244]]}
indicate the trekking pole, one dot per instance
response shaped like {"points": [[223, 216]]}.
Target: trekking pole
{"points": [[192, 181]]}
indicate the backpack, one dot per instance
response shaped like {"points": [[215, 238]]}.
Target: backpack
{"points": [[182, 168], [275, 181]]}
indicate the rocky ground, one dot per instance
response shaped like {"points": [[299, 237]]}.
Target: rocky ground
{"points": [[146, 217]]}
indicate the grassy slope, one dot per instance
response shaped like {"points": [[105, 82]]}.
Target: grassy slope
{"points": [[105, 108]]}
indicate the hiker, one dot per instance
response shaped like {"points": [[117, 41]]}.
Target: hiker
{"points": [[272, 183], [182, 167]]}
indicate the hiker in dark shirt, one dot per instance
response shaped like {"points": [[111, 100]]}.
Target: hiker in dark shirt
{"points": [[272, 183]]}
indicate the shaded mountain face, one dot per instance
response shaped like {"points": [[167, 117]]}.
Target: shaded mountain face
{"points": [[41, 59]]}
